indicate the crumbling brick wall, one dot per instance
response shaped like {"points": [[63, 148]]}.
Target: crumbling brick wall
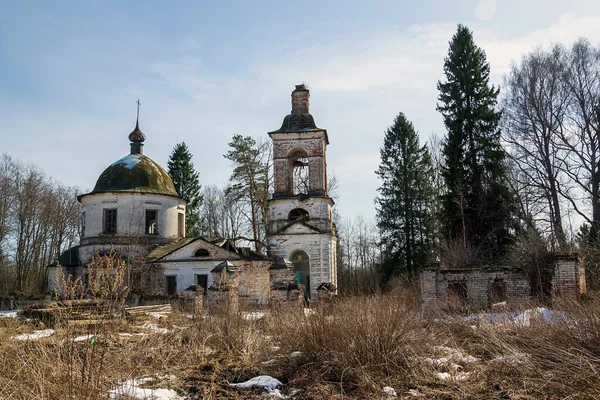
{"points": [[568, 279], [478, 283]]}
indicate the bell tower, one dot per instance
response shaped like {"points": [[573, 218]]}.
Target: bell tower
{"points": [[301, 226]]}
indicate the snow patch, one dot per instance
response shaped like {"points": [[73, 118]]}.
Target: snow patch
{"points": [[264, 381], [128, 162], [308, 312], [253, 316], [155, 328], [8, 314], [157, 315], [390, 391], [512, 359], [131, 388], [457, 355], [35, 335], [84, 338], [444, 376]]}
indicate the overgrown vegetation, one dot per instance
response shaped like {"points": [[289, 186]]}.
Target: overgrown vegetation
{"points": [[353, 347]]}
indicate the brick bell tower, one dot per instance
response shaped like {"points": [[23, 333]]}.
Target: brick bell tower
{"points": [[301, 226]]}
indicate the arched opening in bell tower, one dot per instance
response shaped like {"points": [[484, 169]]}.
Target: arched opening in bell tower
{"points": [[302, 263], [300, 177]]}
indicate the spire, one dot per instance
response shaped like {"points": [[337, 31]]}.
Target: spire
{"points": [[137, 137]]}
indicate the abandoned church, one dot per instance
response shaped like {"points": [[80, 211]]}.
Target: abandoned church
{"points": [[134, 211]]}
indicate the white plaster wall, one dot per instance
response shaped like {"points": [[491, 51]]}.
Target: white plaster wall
{"points": [[321, 250], [131, 212], [185, 271], [317, 207]]}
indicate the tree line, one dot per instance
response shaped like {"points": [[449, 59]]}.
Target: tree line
{"points": [[517, 164], [514, 165], [39, 218]]}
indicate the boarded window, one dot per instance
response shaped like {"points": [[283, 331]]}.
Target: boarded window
{"points": [[109, 222], [171, 284], [180, 225], [498, 291], [151, 217], [202, 280], [457, 292]]}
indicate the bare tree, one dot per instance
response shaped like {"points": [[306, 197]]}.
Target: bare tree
{"points": [[580, 139], [535, 104]]}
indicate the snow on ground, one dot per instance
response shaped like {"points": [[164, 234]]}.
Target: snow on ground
{"points": [[131, 388], [35, 335], [308, 312], [519, 318], [444, 376], [451, 360], [253, 316], [457, 355], [263, 381], [512, 359], [389, 391], [154, 328], [8, 314], [158, 315], [83, 338]]}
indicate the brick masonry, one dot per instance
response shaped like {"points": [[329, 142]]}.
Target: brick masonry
{"points": [[315, 233], [568, 281]]}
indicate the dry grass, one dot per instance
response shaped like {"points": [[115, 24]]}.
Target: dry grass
{"points": [[351, 348]]}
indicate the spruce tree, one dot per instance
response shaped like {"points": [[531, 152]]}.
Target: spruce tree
{"points": [[185, 178], [404, 204], [478, 209]]}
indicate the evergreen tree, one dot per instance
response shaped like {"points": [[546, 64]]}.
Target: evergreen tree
{"points": [[478, 209], [404, 204], [185, 178]]}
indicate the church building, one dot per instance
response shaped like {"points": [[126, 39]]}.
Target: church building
{"points": [[134, 211]]}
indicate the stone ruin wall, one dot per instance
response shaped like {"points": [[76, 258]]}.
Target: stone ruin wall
{"points": [[568, 281]]}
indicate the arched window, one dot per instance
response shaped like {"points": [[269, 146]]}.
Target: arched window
{"points": [[302, 263], [298, 214], [299, 171], [201, 253]]}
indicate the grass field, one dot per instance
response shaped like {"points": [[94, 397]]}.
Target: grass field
{"points": [[352, 348]]}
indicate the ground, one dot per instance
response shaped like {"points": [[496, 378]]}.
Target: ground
{"points": [[355, 348]]}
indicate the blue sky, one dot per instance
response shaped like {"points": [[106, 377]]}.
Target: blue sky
{"points": [[204, 71]]}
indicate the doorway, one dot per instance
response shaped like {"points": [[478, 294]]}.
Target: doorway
{"points": [[302, 263]]}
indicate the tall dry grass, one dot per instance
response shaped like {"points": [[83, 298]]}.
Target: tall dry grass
{"points": [[349, 348]]}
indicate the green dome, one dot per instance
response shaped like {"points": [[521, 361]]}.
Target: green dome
{"points": [[135, 173]]}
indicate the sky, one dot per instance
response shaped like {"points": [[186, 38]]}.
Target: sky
{"points": [[72, 71]]}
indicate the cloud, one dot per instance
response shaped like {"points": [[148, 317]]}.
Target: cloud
{"points": [[485, 10], [358, 86]]}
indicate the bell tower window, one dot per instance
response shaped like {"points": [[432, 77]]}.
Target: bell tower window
{"points": [[300, 176]]}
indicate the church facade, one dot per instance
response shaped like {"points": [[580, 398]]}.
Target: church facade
{"points": [[134, 211]]}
